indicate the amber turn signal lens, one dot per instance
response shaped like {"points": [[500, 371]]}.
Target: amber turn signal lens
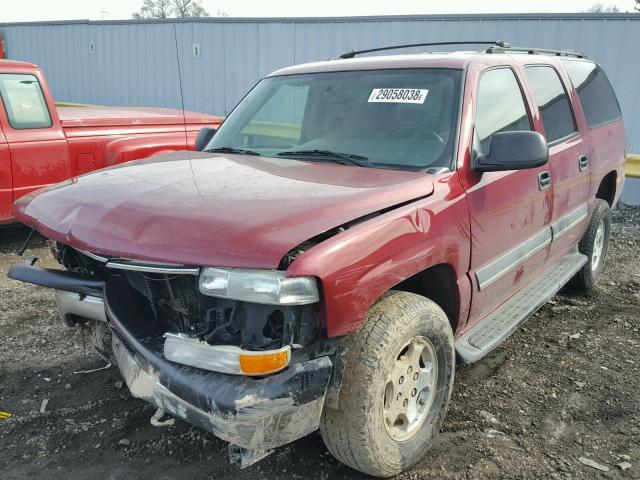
{"points": [[264, 364]]}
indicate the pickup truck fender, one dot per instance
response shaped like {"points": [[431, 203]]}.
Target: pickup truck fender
{"points": [[122, 150], [358, 265]]}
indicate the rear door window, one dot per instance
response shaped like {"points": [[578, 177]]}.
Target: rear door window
{"points": [[596, 95], [500, 107], [552, 101], [24, 102]]}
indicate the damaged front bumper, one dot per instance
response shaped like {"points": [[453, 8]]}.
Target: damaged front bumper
{"points": [[253, 414]]}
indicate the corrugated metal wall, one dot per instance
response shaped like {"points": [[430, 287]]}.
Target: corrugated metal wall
{"points": [[134, 62]]}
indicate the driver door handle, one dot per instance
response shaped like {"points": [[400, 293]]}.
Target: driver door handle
{"points": [[583, 162], [544, 180]]}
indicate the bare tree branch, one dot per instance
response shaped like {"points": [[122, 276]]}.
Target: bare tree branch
{"points": [[601, 8], [170, 9]]}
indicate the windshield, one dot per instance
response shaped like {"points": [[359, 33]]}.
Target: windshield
{"points": [[403, 119]]}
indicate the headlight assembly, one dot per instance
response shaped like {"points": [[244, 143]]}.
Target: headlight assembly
{"points": [[270, 287]]}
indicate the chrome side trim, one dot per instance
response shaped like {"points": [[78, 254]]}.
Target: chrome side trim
{"points": [[150, 268], [493, 270], [142, 266], [566, 223], [93, 256]]}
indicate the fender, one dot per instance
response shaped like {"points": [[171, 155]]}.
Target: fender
{"points": [[358, 265], [135, 148]]}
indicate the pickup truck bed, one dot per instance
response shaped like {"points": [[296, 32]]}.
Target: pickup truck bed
{"points": [[43, 144], [101, 116]]}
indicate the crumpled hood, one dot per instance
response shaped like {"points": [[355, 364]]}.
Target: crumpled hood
{"points": [[198, 208]]}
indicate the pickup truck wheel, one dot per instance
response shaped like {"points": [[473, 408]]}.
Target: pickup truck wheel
{"points": [[398, 376], [594, 244]]}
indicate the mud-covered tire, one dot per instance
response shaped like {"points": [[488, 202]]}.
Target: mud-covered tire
{"points": [[356, 433], [594, 247], [100, 336]]}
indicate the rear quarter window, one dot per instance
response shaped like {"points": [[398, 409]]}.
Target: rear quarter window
{"points": [[596, 94], [552, 101]]}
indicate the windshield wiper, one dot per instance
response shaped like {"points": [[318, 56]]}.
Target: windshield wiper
{"points": [[238, 151], [349, 158]]}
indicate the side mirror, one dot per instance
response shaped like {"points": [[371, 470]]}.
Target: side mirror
{"points": [[204, 137], [513, 151]]}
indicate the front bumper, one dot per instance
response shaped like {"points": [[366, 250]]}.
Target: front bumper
{"points": [[255, 414]]}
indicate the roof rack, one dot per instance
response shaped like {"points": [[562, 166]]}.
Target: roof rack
{"points": [[496, 43], [533, 51]]}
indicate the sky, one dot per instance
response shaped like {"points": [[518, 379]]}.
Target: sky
{"points": [[35, 10]]}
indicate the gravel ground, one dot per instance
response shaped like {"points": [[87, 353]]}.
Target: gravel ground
{"points": [[563, 387]]}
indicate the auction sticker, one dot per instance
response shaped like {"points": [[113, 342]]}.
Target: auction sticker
{"points": [[398, 95]]}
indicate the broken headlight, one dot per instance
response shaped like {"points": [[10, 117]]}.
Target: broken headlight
{"points": [[270, 287]]}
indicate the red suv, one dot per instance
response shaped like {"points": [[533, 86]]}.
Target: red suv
{"points": [[352, 228]]}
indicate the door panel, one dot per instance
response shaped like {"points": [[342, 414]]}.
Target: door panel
{"points": [[39, 154], [510, 218], [510, 213], [568, 156], [571, 193], [38, 163]]}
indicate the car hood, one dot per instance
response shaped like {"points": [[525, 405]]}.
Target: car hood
{"points": [[196, 208]]}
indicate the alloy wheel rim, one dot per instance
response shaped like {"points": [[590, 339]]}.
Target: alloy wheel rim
{"points": [[410, 388], [598, 247]]}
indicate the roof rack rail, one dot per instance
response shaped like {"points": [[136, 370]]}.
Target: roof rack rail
{"points": [[353, 53], [533, 51]]}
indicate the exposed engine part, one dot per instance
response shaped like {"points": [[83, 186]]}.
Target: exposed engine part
{"points": [[164, 303], [312, 242]]}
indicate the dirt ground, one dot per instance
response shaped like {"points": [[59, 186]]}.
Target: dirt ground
{"points": [[564, 387]]}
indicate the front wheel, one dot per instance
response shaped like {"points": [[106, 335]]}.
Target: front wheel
{"points": [[396, 387], [594, 244]]}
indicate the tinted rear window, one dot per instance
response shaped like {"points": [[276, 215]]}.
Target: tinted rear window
{"points": [[552, 102], [596, 94]]}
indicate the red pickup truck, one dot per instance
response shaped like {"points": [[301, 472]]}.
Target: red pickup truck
{"points": [[41, 144], [352, 231]]}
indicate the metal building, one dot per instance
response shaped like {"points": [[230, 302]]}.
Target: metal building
{"points": [[135, 62]]}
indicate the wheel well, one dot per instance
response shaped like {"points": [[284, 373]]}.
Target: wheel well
{"points": [[607, 189], [437, 283]]}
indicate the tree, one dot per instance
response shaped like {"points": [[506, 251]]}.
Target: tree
{"points": [[154, 9], [170, 9], [600, 8], [637, 7], [189, 8]]}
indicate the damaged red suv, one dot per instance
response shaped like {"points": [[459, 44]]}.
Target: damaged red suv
{"points": [[353, 229]]}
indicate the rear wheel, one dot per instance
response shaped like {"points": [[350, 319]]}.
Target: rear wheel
{"points": [[594, 244], [396, 386]]}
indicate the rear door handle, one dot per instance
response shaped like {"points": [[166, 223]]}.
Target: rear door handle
{"points": [[583, 162], [544, 180]]}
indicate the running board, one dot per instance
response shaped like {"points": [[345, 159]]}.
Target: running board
{"points": [[487, 334]]}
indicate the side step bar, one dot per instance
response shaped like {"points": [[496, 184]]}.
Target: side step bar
{"points": [[487, 334]]}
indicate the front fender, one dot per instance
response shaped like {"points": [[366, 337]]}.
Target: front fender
{"points": [[358, 265]]}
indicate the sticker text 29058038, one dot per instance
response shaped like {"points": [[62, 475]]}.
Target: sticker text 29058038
{"points": [[398, 95]]}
